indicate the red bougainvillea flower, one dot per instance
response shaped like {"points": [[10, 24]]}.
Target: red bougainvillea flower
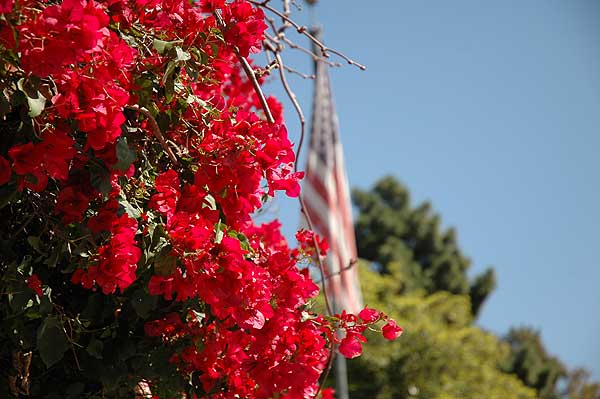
{"points": [[328, 393], [369, 315], [35, 284], [307, 238], [72, 204], [391, 330], [351, 346], [62, 34], [6, 6]]}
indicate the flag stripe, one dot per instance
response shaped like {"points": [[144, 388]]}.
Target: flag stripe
{"points": [[327, 198]]}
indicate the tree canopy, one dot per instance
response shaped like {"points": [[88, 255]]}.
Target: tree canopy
{"points": [[389, 229]]}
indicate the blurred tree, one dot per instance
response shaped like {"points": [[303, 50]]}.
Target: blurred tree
{"points": [[441, 355], [580, 387], [532, 364], [389, 230]]}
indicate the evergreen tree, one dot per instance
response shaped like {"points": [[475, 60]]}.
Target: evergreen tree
{"points": [[532, 364], [389, 229], [580, 387]]}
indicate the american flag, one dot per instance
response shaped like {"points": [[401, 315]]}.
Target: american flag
{"points": [[327, 198]]}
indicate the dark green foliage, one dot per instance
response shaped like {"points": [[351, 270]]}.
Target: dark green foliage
{"points": [[389, 229], [532, 364]]}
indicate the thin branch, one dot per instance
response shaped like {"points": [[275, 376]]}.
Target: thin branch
{"points": [[250, 72], [294, 100], [314, 56], [296, 72], [286, 12], [252, 76], [304, 31], [349, 266], [155, 130]]}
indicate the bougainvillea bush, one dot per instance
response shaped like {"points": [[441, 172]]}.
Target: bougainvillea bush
{"points": [[134, 149]]}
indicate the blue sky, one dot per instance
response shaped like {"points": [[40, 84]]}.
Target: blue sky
{"points": [[490, 110]]}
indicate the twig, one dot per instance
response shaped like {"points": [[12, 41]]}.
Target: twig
{"points": [[304, 31], [155, 130], [349, 266], [252, 76], [286, 12], [293, 99], [310, 53], [250, 72], [302, 75]]}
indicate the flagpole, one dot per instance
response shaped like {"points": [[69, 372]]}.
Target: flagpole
{"points": [[340, 369]]}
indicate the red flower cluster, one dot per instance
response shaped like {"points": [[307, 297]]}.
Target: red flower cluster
{"points": [[35, 162], [60, 35], [307, 239], [117, 260], [157, 142]]}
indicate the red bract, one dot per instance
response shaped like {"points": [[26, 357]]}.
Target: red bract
{"points": [[328, 393], [369, 315], [245, 26], [307, 238], [71, 203], [62, 34], [117, 260], [391, 330], [35, 284], [350, 347], [35, 162]]}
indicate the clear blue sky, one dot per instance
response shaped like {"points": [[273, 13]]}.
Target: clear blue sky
{"points": [[490, 110]]}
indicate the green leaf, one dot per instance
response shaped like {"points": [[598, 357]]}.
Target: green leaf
{"points": [[182, 55], [100, 178], [163, 47], [35, 243], [54, 257], [143, 303], [209, 201], [52, 341], [19, 301], [129, 209], [219, 232], [36, 105], [45, 305], [165, 265], [35, 100], [4, 104], [169, 71], [95, 348], [244, 243], [8, 192], [125, 155]]}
